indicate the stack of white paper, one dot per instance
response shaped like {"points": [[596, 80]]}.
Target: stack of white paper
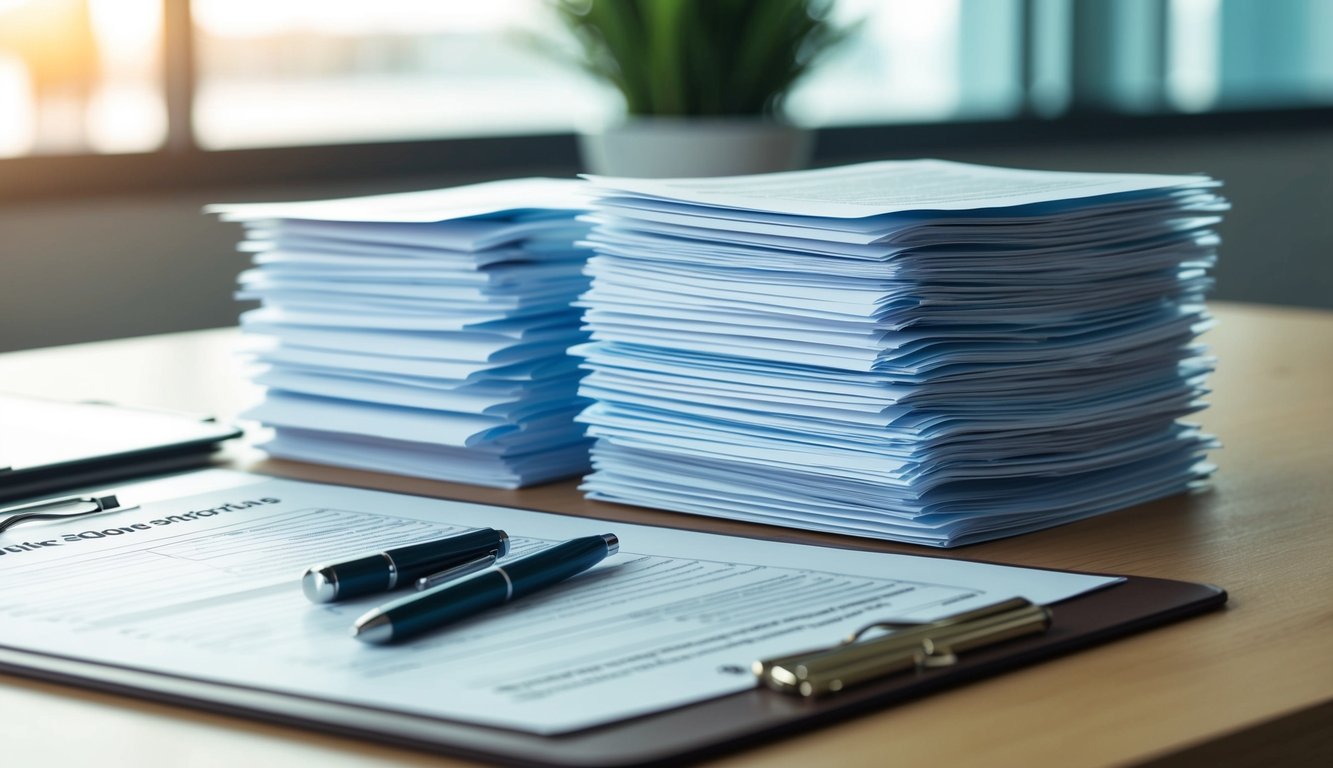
{"points": [[425, 333], [924, 351]]}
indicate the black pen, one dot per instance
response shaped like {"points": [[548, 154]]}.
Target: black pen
{"points": [[382, 571], [447, 603]]}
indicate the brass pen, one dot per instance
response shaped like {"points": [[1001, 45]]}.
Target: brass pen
{"points": [[911, 646]]}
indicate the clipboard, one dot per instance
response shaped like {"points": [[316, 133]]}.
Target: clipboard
{"points": [[707, 728], [51, 445]]}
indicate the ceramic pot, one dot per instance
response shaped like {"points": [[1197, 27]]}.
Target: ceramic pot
{"points": [[665, 147]]}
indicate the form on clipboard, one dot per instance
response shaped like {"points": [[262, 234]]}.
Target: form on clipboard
{"points": [[168, 597]]}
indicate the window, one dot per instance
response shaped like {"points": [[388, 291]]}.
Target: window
{"points": [[82, 77], [920, 62], [288, 72]]}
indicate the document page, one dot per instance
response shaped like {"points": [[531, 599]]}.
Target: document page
{"points": [[427, 206], [201, 579], [892, 186]]}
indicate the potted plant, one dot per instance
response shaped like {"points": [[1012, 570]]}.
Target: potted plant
{"points": [[703, 81]]}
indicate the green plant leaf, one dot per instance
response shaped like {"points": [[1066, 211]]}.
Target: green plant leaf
{"points": [[764, 53], [666, 54], [700, 57]]}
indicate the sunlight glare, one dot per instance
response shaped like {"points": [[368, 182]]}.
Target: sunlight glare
{"points": [[126, 29], [1192, 77], [126, 118], [920, 41], [263, 18], [16, 118]]}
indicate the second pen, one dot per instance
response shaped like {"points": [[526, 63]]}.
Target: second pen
{"points": [[448, 603]]}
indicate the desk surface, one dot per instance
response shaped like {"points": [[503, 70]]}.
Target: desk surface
{"points": [[1249, 683]]}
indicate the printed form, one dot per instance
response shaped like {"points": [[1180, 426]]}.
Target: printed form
{"points": [[202, 580]]}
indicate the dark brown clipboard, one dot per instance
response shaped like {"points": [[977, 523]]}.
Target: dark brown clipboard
{"points": [[706, 728]]}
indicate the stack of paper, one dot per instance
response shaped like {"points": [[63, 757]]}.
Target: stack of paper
{"points": [[425, 333], [923, 351]]}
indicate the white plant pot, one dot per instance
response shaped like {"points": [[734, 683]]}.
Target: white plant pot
{"points": [[666, 147]]}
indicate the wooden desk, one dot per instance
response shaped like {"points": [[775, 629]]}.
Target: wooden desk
{"points": [[1251, 685]]}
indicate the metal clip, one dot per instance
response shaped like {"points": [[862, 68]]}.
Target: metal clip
{"points": [[479, 563], [39, 510], [910, 647]]}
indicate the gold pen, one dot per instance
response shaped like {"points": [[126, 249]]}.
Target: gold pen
{"points": [[911, 646]]}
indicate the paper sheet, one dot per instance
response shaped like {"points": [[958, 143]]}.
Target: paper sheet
{"points": [[508, 468], [893, 186], [429, 206], [203, 581]]}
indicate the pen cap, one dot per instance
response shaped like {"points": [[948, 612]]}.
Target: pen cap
{"points": [[417, 560], [352, 578]]}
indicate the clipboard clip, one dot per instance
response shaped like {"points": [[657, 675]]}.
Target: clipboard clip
{"points": [[49, 509], [908, 647]]}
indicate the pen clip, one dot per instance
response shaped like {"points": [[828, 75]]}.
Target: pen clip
{"points": [[913, 647], [479, 563], [31, 512]]}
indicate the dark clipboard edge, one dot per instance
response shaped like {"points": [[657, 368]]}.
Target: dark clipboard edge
{"points": [[707, 728], [137, 465]]}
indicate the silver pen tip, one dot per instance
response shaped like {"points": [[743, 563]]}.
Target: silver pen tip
{"points": [[320, 584], [375, 628], [612, 543]]}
